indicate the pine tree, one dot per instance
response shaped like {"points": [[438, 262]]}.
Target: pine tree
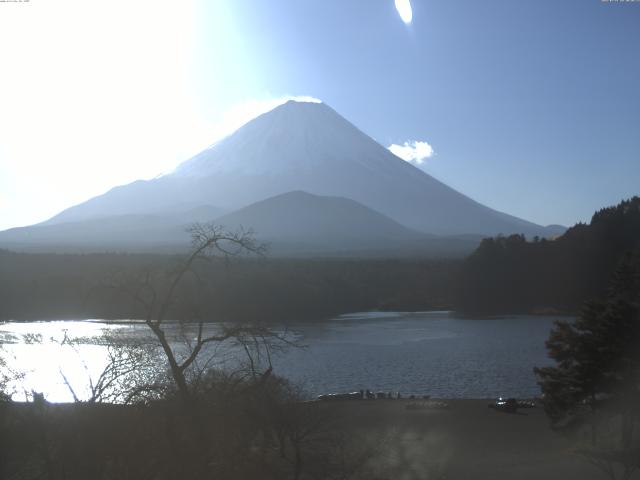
{"points": [[597, 356], [596, 379]]}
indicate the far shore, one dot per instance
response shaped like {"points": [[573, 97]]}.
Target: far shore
{"points": [[371, 314]]}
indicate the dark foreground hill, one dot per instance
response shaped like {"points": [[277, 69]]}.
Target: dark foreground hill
{"points": [[322, 223], [293, 224], [365, 439], [299, 224]]}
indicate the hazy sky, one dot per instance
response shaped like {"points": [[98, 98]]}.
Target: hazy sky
{"points": [[531, 107]]}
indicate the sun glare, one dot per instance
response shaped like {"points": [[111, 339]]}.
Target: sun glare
{"points": [[404, 9]]}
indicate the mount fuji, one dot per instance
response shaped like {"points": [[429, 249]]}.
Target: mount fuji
{"points": [[296, 147]]}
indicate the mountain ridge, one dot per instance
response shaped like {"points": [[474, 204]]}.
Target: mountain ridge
{"points": [[308, 147], [292, 224]]}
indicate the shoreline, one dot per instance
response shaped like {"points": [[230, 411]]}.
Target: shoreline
{"points": [[364, 315], [469, 440]]}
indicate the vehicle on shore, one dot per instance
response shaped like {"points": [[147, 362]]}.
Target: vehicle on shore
{"points": [[511, 405]]}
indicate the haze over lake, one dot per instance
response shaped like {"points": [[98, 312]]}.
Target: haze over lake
{"points": [[424, 353]]}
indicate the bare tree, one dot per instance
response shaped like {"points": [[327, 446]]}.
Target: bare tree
{"points": [[157, 293], [5, 378], [129, 374], [9, 374]]}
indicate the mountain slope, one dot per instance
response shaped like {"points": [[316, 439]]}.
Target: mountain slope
{"points": [[128, 232], [302, 220], [293, 224], [306, 146]]}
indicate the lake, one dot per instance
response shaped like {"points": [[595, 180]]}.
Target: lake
{"points": [[423, 353]]}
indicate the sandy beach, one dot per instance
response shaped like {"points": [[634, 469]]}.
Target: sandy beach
{"points": [[465, 440]]}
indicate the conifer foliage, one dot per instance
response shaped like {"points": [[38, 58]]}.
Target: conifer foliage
{"points": [[595, 384]]}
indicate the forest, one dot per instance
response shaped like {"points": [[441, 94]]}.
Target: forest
{"points": [[59, 286], [511, 274]]}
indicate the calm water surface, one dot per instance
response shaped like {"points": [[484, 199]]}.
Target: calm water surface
{"points": [[435, 353]]}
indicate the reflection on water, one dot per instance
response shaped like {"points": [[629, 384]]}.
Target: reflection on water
{"points": [[35, 349], [432, 353], [48, 352]]}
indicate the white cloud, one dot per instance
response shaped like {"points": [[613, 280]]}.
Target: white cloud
{"points": [[413, 151]]}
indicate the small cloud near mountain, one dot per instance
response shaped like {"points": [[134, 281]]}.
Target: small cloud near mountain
{"points": [[413, 151]]}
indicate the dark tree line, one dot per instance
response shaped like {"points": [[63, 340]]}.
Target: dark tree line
{"points": [[58, 286], [512, 274]]}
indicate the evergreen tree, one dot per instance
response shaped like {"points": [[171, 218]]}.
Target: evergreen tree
{"points": [[510, 274], [598, 355], [596, 380]]}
